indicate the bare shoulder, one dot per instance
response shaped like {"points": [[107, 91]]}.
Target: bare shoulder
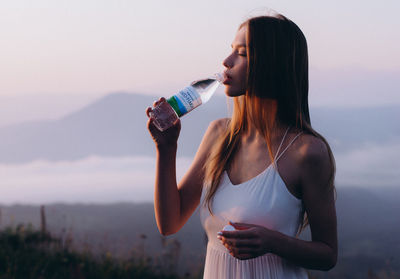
{"points": [[311, 150], [313, 159], [216, 128], [219, 124]]}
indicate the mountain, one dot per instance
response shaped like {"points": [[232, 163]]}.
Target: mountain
{"points": [[115, 125], [112, 126]]}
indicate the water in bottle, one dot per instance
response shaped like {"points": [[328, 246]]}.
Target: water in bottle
{"points": [[166, 113]]}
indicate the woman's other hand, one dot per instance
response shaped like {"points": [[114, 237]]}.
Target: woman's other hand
{"points": [[247, 241], [167, 138]]}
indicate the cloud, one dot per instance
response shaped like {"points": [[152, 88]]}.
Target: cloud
{"points": [[107, 180], [370, 166], [93, 179]]}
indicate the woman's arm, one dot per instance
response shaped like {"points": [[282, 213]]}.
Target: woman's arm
{"points": [[250, 240], [166, 194], [321, 252], [173, 203]]}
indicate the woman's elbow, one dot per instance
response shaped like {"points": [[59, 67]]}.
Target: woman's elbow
{"points": [[330, 262], [166, 232]]}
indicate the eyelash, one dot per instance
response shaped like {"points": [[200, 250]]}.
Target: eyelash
{"points": [[244, 54]]}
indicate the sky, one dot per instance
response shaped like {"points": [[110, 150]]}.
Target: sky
{"points": [[58, 56], [95, 47]]}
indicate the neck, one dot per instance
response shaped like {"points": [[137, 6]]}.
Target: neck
{"points": [[253, 134], [277, 130]]}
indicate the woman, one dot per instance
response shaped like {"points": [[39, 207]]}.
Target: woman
{"points": [[265, 170]]}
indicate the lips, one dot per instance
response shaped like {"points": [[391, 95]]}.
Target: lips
{"points": [[227, 78]]}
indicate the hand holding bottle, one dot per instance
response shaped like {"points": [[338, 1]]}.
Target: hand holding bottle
{"points": [[169, 137], [166, 113]]}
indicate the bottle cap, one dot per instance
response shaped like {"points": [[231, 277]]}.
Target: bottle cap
{"points": [[219, 77]]}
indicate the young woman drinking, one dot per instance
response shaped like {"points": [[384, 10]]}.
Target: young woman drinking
{"points": [[265, 170]]}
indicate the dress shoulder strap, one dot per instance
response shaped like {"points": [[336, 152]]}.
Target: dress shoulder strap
{"points": [[280, 145], [290, 143]]}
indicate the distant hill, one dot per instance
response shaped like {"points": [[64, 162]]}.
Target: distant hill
{"points": [[367, 229], [116, 126], [112, 126]]}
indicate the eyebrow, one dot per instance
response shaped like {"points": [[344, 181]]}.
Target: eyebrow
{"points": [[238, 46]]}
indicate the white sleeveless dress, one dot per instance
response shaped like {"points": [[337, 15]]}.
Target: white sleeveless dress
{"points": [[263, 200]]}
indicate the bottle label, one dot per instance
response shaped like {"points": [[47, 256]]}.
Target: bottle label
{"points": [[185, 101]]}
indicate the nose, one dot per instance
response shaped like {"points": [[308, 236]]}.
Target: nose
{"points": [[228, 63]]}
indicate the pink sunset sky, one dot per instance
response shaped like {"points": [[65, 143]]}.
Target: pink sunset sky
{"points": [[96, 47]]}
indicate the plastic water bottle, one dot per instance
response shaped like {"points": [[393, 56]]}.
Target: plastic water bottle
{"points": [[166, 113]]}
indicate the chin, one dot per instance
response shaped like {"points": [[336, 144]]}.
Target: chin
{"points": [[230, 92]]}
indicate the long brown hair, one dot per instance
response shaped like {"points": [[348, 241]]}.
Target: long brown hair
{"points": [[277, 93]]}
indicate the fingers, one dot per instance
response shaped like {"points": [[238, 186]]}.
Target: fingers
{"points": [[177, 124], [248, 233], [242, 226], [240, 242], [151, 127], [243, 243], [155, 103], [148, 110], [241, 249], [244, 251], [162, 99]]}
